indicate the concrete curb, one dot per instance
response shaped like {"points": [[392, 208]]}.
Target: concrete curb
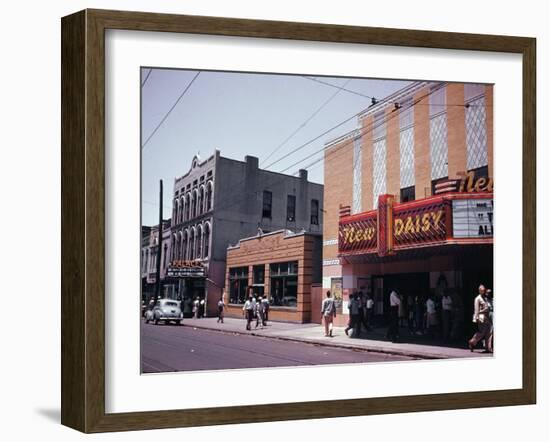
{"points": [[385, 350]]}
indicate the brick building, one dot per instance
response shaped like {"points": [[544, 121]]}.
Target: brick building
{"points": [[409, 197], [281, 265]]}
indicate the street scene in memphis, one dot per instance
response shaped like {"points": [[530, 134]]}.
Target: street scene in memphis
{"points": [[304, 220]]}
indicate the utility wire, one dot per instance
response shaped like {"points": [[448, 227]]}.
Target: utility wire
{"points": [[301, 126], [147, 77], [341, 88], [386, 100], [170, 110], [368, 130], [362, 133]]}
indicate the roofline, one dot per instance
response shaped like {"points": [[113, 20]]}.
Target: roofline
{"points": [[289, 234], [397, 96]]}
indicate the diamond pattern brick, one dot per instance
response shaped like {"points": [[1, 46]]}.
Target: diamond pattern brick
{"points": [[357, 181], [476, 134], [438, 146], [378, 170], [406, 150]]}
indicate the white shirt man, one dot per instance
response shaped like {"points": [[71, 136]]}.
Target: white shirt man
{"points": [[394, 299], [430, 306], [248, 310], [447, 302]]}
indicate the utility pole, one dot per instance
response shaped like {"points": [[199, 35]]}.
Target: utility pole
{"points": [[159, 250]]}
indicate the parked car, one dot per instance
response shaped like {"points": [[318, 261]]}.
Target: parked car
{"points": [[165, 310]]}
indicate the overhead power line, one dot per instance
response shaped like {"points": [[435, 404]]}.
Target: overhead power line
{"points": [[170, 110], [301, 126], [146, 77]]}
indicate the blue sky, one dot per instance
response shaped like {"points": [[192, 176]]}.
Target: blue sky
{"points": [[242, 114]]}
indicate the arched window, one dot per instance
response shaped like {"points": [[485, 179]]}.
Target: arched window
{"points": [[199, 242], [194, 204], [173, 248], [209, 187], [175, 212], [206, 240], [192, 241], [187, 205], [181, 206], [184, 245], [200, 205], [178, 242]]}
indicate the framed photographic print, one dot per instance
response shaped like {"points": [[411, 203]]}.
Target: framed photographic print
{"points": [[252, 207]]}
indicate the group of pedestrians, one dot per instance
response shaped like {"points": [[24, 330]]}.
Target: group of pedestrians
{"points": [[361, 308], [198, 308], [436, 317], [257, 309]]}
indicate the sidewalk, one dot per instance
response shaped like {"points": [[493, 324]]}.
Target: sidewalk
{"points": [[314, 334]]}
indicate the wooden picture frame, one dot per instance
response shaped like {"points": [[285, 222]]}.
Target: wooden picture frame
{"points": [[83, 220]]}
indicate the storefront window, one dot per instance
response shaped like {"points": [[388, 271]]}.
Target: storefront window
{"points": [[258, 280], [238, 281], [284, 284]]}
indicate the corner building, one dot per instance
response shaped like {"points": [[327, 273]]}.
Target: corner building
{"points": [[409, 198]]}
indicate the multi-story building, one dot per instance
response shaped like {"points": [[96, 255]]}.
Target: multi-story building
{"points": [[149, 254], [409, 197], [221, 200]]}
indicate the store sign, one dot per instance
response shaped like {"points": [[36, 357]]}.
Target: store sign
{"points": [[433, 221], [419, 225], [470, 184], [185, 269], [473, 218], [358, 234]]}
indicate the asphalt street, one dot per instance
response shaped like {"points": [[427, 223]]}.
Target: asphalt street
{"points": [[166, 348]]}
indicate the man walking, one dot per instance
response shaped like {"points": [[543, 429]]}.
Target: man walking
{"points": [[370, 310], [328, 313], [482, 318], [354, 315], [248, 311], [265, 303], [393, 329], [446, 314], [221, 307], [259, 310]]}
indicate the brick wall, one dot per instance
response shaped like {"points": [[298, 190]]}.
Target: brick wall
{"points": [[456, 129], [273, 248], [338, 190], [422, 163]]}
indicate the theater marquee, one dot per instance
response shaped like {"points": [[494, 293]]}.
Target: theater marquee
{"points": [[447, 219]]}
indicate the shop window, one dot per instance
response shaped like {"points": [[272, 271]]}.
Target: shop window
{"points": [[267, 203], [291, 208], [314, 212], [206, 240], [284, 284], [258, 280], [407, 194], [238, 282]]}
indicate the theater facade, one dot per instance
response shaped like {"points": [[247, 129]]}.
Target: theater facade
{"points": [[409, 198]]}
